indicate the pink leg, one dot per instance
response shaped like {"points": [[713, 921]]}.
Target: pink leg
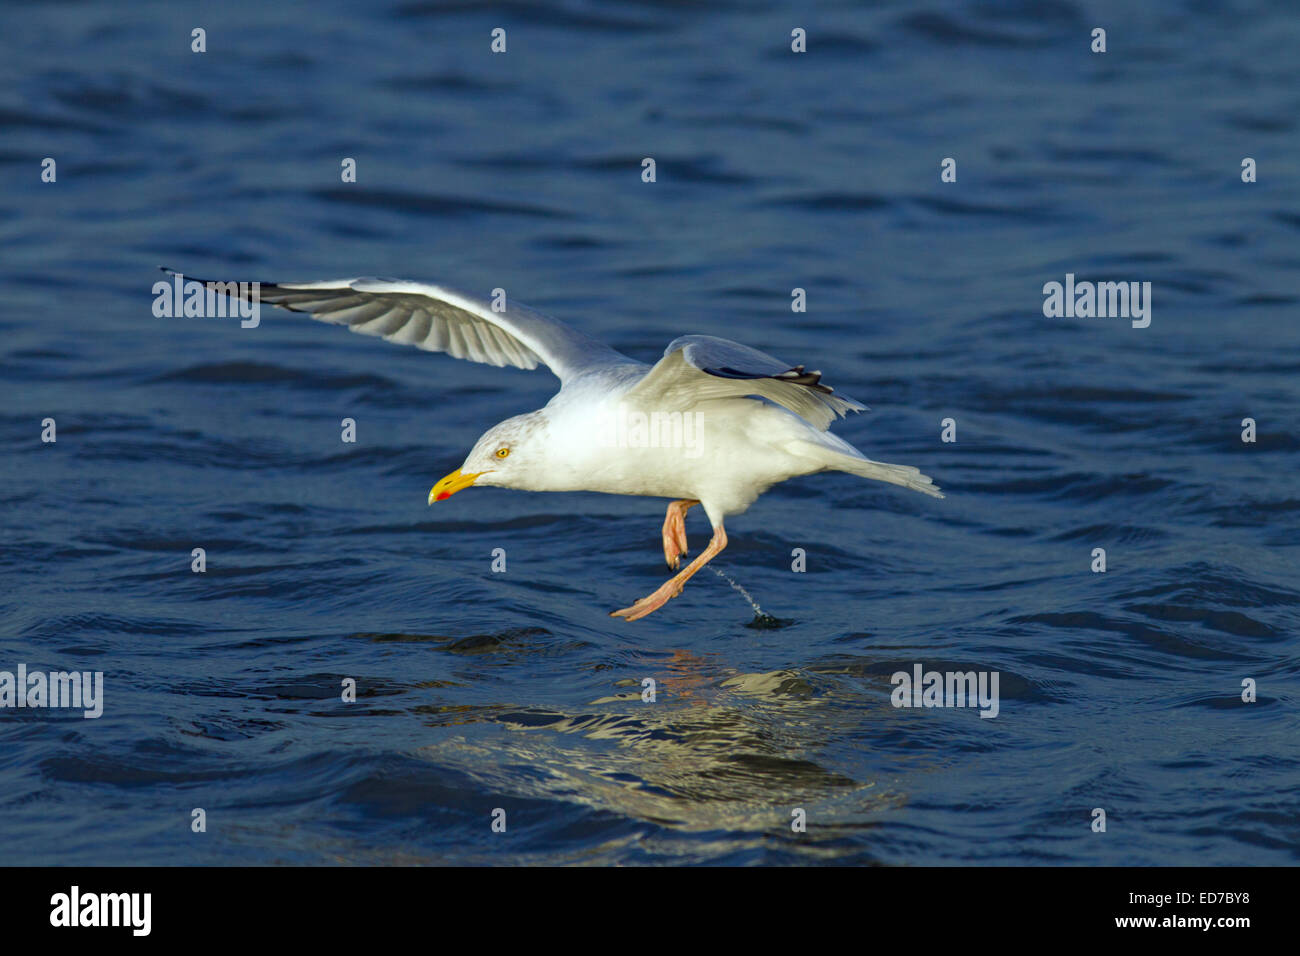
{"points": [[675, 531], [673, 586]]}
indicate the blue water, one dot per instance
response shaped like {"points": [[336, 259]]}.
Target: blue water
{"points": [[478, 690]]}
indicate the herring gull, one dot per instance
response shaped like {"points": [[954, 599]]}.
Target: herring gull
{"points": [[713, 423]]}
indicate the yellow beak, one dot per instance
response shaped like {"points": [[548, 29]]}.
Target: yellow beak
{"points": [[451, 484]]}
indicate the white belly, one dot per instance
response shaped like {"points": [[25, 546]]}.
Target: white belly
{"points": [[725, 453]]}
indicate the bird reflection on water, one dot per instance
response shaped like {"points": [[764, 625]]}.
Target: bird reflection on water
{"points": [[717, 749]]}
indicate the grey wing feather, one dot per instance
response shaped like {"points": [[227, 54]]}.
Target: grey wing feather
{"points": [[698, 368], [438, 319]]}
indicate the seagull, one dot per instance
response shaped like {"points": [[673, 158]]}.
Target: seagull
{"points": [[713, 423]]}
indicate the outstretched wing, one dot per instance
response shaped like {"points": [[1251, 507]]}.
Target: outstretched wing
{"points": [[697, 368], [438, 319]]}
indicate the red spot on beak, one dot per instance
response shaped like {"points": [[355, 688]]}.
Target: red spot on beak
{"points": [[442, 496]]}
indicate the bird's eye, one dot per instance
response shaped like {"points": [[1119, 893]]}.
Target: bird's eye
{"points": [[502, 452]]}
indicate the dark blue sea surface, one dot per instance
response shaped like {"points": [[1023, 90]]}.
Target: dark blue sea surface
{"points": [[478, 690]]}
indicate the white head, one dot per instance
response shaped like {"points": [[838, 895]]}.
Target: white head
{"points": [[507, 455]]}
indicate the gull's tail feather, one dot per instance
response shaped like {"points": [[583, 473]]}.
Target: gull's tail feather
{"points": [[835, 454], [904, 475]]}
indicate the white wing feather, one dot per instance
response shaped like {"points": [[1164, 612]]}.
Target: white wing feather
{"points": [[441, 319], [697, 368]]}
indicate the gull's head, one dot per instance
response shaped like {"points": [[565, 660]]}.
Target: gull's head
{"points": [[507, 455]]}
